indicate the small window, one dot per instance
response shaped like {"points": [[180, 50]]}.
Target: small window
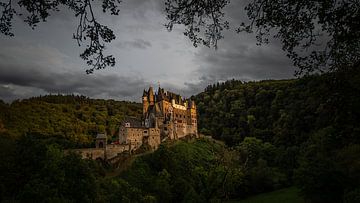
{"points": [[165, 128]]}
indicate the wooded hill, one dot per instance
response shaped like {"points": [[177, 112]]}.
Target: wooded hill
{"points": [[76, 118], [312, 122], [301, 132]]}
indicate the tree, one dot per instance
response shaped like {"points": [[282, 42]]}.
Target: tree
{"points": [[318, 35], [88, 29]]}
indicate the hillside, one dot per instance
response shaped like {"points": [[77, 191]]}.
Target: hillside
{"points": [[77, 119], [277, 134], [312, 122], [285, 112]]}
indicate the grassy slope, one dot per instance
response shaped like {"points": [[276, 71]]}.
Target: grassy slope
{"points": [[279, 196]]}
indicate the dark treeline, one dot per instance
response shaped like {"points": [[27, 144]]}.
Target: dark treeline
{"points": [[37, 170], [276, 134], [75, 120], [312, 122]]}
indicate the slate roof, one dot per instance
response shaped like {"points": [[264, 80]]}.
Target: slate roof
{"points": [[101, 136], [134, 122]]}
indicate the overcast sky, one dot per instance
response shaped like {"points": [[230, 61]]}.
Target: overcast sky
{"points": [[46, 60]]}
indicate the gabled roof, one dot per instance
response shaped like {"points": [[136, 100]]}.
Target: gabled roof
{"points": [[101, 136], [134, 122]]}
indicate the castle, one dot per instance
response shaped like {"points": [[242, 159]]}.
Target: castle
{"points": [[166, 115]]}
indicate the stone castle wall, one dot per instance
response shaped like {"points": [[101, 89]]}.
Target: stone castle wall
{"points": [[89, 153], [109, 152]]}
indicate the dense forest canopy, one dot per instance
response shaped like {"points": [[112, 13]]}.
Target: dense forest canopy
{"points": [[76, 119], [312, 122], [276, 134], [302, 132]]}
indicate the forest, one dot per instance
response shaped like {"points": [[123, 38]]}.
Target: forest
{"points": [[266, 135], [72, 120]]}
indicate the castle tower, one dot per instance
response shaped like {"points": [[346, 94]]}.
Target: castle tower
{"points": [[160, 94], [151, 96], [192, 117], [193, 106], [145, 103]]}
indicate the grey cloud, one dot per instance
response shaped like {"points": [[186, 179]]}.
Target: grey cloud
{"points": [[239, 57], [240, 60], [33, 69], [105, 86], [139, 7], [6, 93], [19, 78], [137, 43], [10, 92]]}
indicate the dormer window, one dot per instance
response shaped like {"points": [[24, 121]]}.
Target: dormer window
{"points": [[127, 125]]}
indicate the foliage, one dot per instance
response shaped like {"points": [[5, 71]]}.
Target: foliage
{"points": [[196, 15], [277, 134], [320, 35], [283, 195], [41, 172], [89, 28], [310, 125], [202, 171], [71, 121]]}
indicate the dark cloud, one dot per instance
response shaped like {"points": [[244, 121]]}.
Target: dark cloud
{"points": [[239, 57], [51, 76], [46, 60], [99, 86], [7, 93]]}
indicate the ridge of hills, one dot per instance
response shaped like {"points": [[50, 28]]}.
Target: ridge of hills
{"points": [[74, 119], [278, 133]]}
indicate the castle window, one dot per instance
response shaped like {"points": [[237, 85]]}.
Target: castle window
{"points": [[165, 128]]}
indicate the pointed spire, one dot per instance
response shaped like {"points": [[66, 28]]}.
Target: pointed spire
{"points": [[144, 93], [151, 95]]}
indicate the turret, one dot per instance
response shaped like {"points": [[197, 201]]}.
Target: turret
{"points": [[160, 94], [151, 96], [145, 103], [193, 106]]}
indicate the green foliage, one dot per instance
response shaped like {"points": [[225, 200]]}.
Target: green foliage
{"points": [[283, 195], [302, 131], [43, 173], [200, 171], [73, 121], [277, 134]]}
